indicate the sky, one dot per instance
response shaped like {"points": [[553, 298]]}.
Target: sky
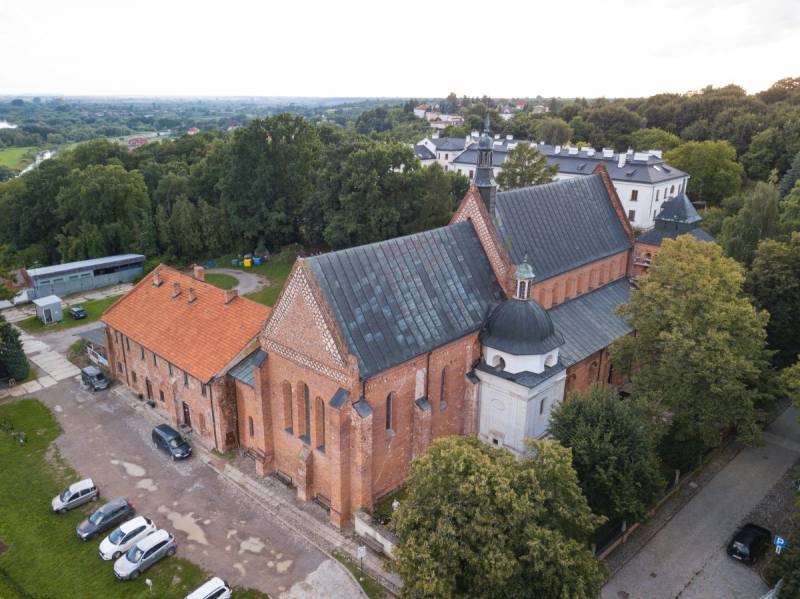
{"points": [[353, 48]]}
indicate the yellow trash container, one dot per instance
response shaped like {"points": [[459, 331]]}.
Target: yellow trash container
{"points": [[248, 262]]}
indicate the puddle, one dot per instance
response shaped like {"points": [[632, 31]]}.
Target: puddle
{"points": [[185, 523], [131, 469], [281, 567], [253, 545], [147, 484]]}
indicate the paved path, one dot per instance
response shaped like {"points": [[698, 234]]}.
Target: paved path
{"points": [[687, 557], [22, 312], [217, 525], [249, 282]]}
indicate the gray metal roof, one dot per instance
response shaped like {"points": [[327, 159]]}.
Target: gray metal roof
{"points": [[423, 153], [244, 370], [520, 327], [653, 170], [48, 300], [449, 144], [588, 322], [678, 209], [95, 336], [106, 262], [339, 398], [526, 378], [400, 298], [657, 235], [560, 225]]}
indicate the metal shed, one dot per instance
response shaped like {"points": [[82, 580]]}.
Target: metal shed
{"points": [[48, 309], [75, 277]]}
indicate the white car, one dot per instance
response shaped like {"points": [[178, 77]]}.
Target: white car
{"points": [[78, 493], [126, 536], [216, 588]]}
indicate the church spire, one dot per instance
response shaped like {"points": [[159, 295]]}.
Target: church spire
{"points": [[524, 277], [484, 174]]}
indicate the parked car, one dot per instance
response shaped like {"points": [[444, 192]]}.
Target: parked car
{"points": [[216, 588], [78, 493], [77, 313], [169, 440], [125, 536], [111, 514], [749, 543], [93, 378], [144, 554]]}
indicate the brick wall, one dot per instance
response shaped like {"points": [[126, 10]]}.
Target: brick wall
{"points": [[640, 257], [136, 365]]}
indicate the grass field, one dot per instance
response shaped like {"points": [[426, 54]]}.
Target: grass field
{"points": [[221, 281], [94, 309], [276, 270], [43, 557], [18, 158]]}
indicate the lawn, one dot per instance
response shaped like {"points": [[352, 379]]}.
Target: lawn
{"points": [[221, 281], [276, 270], [94, 309], [371, 587], [18, 158], [44, 558]]}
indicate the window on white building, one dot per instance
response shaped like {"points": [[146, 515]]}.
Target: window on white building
{"points": [[631, 215], [634, 195]]}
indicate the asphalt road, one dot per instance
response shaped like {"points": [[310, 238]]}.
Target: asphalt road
{"points": [[687, 557], [249, 282], [216, 525]]}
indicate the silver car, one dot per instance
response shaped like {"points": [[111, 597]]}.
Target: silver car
{"points": [[78, 493], [125, 536], [144, 554]]}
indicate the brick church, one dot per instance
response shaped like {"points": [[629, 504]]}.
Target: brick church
{"points": [[476, 328]]}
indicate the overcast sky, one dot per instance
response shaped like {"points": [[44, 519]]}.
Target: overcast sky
{"points": [[380, 48]]}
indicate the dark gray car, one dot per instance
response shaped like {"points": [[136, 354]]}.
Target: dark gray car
{"points": [[93, 378], [170, 441], [112, 514], [144, 554]]}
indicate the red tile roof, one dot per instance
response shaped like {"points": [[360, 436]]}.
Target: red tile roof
{"points": [[200, 338]]}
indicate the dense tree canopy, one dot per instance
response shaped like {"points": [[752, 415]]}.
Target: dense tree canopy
{"points": [[13, 363], [774, 284], [757, 219], [698, 358], [712, 165], [479, 522], [654, 138], [613, 452]]}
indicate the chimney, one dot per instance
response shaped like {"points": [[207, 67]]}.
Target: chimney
{"points": [[230, 295], [157, 279], [199, 272], [192, 296], [176, 289], [557, 150], [622, 158]]}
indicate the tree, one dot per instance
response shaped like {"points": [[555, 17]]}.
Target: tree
{"points": [[712, 165], [13, 362], [105, 210], [377, 119], [554, 131], [766, 152], [698, 358], [616, 123], [478, 522], [790, 210], [185, 229], [790, 177], [525, 166], [654, 139], [774, 284], [756, 220], [613, 453]]}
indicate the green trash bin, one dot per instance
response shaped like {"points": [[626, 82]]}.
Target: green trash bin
{"points": [[234, 262]]}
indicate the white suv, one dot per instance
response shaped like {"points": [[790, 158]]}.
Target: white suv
{"points": [[216, 588], [126, 536]]}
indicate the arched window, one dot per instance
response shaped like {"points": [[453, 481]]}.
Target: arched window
{"points": [[570, 382], [443, 390], [672, 189], [287, 406], [541, 406], [554, 293], [305, 416], [499, 363], [250, 426], [593, 372], [319, 423], [390, 412]]}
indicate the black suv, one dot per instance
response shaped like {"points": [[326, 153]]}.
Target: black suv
{"points": [[108, 516], [77, 313], [93, 378], [168, 440], [749, 543]]}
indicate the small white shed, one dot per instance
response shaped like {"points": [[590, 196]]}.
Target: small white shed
{"points": [[48, 309]]}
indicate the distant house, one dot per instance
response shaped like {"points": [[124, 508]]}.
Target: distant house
{"points": [[419, 111], [192, 131], [425, 155], [136, 142], [74, 277]]}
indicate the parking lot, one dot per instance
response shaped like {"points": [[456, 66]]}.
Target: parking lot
{"points": [[216, 526]]}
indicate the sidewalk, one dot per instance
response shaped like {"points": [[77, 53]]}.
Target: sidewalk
{"points": [[270, 495], [51, 366], [24, 311]]}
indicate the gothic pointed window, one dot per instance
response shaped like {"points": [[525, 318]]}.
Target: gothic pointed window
{"points": [[390, 412], [319, 423], [305, 415], [443, 390], [287, 406]]}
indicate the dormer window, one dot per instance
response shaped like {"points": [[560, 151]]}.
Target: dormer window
{"points": [[523, 288]]}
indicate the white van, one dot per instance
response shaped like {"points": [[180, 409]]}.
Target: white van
{"points": [[216, 588]]}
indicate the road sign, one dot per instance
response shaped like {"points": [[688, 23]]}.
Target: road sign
{"points": [[362, 551], [779, 541]]}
